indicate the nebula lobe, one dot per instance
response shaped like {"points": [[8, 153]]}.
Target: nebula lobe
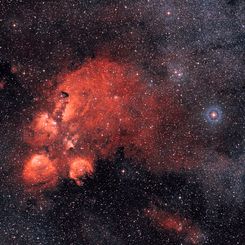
{"points": [[175, 223], [40, 171]]}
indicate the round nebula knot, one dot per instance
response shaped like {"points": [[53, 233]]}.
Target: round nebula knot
{"points": [[79, 168], [40, 171]]}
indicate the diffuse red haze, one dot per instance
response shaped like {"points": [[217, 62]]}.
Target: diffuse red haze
{"points": [[2, 85], [92, 111], [175, 223]]}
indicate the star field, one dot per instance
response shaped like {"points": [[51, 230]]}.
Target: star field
{"points": [[122, 122]]}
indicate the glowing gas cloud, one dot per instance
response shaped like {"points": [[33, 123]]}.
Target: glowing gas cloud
{"points": [[91, 112], [40, 171], [175, 223]]}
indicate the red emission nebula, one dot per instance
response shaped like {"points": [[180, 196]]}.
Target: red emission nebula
{"points": [[91, 112], [175, 223]]}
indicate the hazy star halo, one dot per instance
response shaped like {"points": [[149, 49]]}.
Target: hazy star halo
{"points": [[213, 114]]}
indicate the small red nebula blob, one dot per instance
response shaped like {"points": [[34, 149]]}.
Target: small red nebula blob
{"points": [[40, 172], [14, 69], [174, 222], [2, 85], [167, 221], [79, 168]]}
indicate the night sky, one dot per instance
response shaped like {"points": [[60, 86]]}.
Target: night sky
{"points": [[122, 122]]}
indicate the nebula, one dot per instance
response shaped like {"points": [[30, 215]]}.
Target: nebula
{"points": [[79, 167], [175, 223], [40, 171], [91, 112], [122, 122], [2, 85], [103, 105]]}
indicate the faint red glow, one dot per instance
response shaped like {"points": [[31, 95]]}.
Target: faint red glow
{"points": [[173, 222], [2, 85]]}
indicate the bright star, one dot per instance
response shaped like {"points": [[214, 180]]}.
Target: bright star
{"points": [[213, 114]]}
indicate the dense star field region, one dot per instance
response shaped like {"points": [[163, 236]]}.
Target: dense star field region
{"points": [[122, 122]]}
